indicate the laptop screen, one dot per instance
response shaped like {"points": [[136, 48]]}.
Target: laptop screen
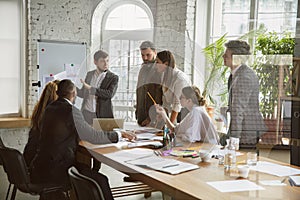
{"points": [[107, 124]]}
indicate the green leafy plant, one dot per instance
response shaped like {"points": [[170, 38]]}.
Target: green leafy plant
{"points": [[215, 70], [271, 43]]}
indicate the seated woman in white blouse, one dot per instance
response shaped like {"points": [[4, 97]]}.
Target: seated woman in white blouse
{"points": [[197, 125]]}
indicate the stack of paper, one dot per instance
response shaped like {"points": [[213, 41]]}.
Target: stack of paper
{"points": [[148, 136], [163, 164], [295, 180], [275, 169], [150, 144], [147, 158]]}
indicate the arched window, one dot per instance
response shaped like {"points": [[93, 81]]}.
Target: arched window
{"points": [[127, 17], [124, 26]]}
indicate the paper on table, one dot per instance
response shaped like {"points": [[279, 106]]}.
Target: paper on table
{"points": [[98, 146], [170, 166], [148, 136], [155, 144], [272, 182], [274, 169], [138, 129], [147, 158], [296, 180], [235, 186], [130, 154]]}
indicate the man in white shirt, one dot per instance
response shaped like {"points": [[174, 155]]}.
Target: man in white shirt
{"points": [[99, 87]]}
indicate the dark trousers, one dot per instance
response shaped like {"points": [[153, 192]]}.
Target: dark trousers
{"points": [[89, 116], [101, 179]]}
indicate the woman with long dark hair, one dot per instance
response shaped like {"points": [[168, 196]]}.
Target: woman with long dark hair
{"points": [[173, 81]]}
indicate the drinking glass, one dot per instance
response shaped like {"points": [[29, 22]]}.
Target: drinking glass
{"points": [[251, 158]]}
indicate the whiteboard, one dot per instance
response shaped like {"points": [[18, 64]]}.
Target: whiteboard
{"points": [[53, 56]]}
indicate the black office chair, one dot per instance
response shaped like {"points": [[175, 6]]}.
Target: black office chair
{"points": [[84, 187], [1, 146], [1, 163], [18, 175]]}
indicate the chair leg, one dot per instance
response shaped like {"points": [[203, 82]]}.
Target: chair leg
{"points": [[7, 193], [147, 195], [13, 194]]}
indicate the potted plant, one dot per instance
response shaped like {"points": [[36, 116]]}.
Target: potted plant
{"points": [[274, 79], [215, 72], [271, 43], [215, 84]]}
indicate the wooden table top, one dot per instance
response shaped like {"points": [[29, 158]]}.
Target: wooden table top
{"points": [[192, 184]]}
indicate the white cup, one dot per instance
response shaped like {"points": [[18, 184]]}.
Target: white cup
{"points": [[205, 156], [243, 170]]}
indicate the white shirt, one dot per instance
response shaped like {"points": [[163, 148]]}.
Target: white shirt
{"points": [[171, 95], [95, 82], [233, 71], [197, 126]]}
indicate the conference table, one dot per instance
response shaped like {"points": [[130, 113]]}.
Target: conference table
{"points": [[194, 184]]}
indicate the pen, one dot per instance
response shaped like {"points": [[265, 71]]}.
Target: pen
{"points": [[151, 98], [187, 150], [283, 180], [291, 182], [156, 153], [170, 166]]}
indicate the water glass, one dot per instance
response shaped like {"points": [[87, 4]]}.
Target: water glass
{"points": [[230, 159], [251, 158], [220, 156], [235, 143]]}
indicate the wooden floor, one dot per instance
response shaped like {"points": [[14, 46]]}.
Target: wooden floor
{"points": [[116, 178]]}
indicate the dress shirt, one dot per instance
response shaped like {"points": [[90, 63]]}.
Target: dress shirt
{"points": [[95, 82], [172, 92], [197, 126]]}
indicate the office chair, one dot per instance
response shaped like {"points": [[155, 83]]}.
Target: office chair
{"points": [[84, 187], [18, 175], [1, 163]]}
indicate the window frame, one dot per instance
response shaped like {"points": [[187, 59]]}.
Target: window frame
{"points": [[126, 35], [22, 109]]}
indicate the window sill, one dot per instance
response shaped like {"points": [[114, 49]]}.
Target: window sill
{"points": [[14, 122]]}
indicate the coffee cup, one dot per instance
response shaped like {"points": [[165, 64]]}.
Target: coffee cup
{"points": [[205, 156], [243, 170]]}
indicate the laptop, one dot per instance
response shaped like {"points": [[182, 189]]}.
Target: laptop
{"points": [[107, 124]]}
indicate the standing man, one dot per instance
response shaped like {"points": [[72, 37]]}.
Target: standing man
{"points": [[62, 128], [99, 87], [243, 87], [149, 80]]}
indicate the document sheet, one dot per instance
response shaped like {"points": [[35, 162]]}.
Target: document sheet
{"points": [[147, 159], [274, 169], [234, 186]]}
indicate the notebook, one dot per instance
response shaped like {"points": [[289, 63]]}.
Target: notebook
{"points": [[107, 124]]}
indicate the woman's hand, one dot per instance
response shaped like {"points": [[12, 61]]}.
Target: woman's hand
{"points": [[161, 111]]}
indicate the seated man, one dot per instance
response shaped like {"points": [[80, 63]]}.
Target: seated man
{"points": [[63, 126]]}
